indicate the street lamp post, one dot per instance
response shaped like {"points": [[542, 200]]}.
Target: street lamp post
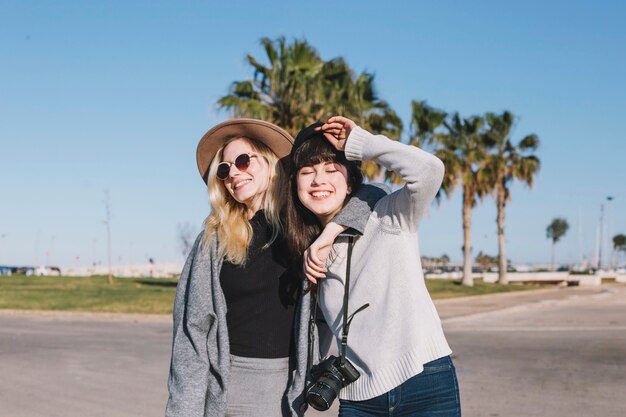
{"points": [[607, 238], [107, 222], [602, 237]]}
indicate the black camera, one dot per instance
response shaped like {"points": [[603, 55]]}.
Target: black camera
{"points": [[330, 375]]}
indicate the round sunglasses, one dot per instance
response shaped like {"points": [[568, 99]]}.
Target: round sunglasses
{"points": [[242, 162]]}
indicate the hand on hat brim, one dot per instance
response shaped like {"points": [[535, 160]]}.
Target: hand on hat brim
{"points": [[337, 130]]}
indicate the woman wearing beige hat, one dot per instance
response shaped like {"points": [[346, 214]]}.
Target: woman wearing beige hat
{"points": [[235, 318]]}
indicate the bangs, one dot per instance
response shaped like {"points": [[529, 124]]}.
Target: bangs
{"points": [[317, 150]]}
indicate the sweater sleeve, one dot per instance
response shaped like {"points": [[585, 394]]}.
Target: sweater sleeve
{"points": [[422, 171], [357, 210], [189, 366]]}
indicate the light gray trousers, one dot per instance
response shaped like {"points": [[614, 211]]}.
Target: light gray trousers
{"points": [[257, 387]]}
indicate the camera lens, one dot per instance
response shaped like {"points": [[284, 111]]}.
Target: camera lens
{"points": [[321, 395]]}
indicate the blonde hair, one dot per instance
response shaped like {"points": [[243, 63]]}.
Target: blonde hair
{"points": [[229, 218]]}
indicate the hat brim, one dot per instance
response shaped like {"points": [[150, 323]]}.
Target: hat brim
{"points": [[278, 140]]}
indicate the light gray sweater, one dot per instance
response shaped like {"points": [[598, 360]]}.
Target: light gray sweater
{"points": [[400, 331]]}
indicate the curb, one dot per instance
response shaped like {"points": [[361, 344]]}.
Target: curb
{"points": [[527, 305], [85, 315]]}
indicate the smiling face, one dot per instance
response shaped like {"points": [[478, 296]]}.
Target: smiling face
{"points": [[322, 188], [247, 186]]}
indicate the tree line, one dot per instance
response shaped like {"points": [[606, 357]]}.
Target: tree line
{"points": [[294, 87], [559, 226]]}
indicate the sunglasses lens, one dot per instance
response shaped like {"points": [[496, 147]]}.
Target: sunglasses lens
{"points": [[223, 170], [242, 162]]}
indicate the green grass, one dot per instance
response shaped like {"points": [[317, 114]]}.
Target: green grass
{"points": [[125, 295], [445, 288], [151, 295]]}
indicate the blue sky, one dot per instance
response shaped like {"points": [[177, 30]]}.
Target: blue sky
{"points": [[115, 95]]}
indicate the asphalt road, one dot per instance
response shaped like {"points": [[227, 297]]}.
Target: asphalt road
{"points": [[552, 359], [81, 367]]}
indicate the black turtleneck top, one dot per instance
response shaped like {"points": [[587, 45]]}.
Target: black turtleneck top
{"points": [[261, 296]]}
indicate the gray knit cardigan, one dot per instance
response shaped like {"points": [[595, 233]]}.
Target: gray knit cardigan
{"points": [[200, 363]]}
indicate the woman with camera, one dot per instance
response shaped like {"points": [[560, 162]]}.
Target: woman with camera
{"points": [[397, 357], [235, 315]]}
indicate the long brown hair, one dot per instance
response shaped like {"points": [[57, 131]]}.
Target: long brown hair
{"points": [[302, 226]]}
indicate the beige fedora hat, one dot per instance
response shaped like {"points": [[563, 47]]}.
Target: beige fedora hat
{"points": [[271, 135]]}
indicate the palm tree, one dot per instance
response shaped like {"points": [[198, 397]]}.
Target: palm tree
{"points": [[504, 164], [425, 129], [619, 243], [425, 120], [485, 261], [460, 148], [281, 92], [555, 231], [462, 151], [298, 88]]}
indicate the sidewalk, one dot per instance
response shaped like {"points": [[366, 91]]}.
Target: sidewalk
{"points": [[465, 307]]}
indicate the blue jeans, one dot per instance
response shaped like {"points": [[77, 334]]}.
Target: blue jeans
{"points": [[432, 393]]}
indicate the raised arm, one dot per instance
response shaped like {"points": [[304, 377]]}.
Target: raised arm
{"points": [[422, 171]]}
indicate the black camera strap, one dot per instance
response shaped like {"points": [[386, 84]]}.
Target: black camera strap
{"points": [[347, 320], [312, 324]]}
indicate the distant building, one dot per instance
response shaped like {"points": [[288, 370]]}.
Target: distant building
{"points": [[30, 270], [154, 269]]}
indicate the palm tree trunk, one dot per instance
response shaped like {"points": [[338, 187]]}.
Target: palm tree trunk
{"points": [[467, 242], [502, 264], [553, 246]]}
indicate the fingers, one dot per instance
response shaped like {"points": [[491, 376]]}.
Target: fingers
{"points": [[334, 141], [340, 127], [315, 261], [313, 267], [332, 127], [335, 126], [313, 274], [344, 121], [337, 122], [339, 119], [336, 134]]}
